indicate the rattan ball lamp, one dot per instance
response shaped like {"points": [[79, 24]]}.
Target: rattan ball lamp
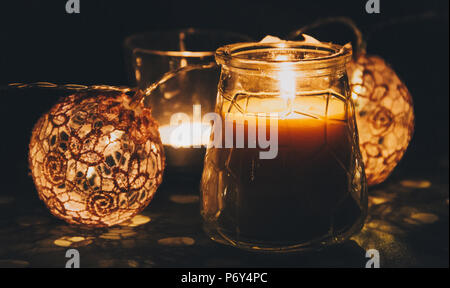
{"points": [[95, 160]]}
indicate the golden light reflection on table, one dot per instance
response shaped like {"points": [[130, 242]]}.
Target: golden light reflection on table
{"points": [[137, 220], [67, 241], [176, 241], [416, 183]]}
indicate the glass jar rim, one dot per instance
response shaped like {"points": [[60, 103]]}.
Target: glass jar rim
{"points": [[132, 41], [297, 55]]}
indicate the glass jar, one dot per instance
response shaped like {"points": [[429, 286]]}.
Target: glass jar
{"points": [[283, 171]]}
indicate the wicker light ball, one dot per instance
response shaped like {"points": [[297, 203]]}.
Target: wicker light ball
{"points": [[95, 160], [385, 115]]}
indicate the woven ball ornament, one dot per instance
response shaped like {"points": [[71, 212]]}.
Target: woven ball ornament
{"points": [[95, 160], [385, 115]]}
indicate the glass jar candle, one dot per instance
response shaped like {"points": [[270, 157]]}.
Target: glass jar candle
{"points": [[283, 170]]}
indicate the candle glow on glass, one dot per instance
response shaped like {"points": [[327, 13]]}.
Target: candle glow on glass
{"points": [[287, 82], [311, 132]]}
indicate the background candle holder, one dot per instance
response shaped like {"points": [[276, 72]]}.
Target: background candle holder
{"points": [[149, 56]]}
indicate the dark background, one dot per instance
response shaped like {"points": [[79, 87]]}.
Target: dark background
{"points": [[39, 41]]}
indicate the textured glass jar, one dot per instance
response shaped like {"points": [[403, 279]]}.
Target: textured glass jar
{"points": [[313, 193]]}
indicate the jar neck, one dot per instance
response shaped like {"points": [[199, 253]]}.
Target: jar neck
{"points": [[304, 59]]}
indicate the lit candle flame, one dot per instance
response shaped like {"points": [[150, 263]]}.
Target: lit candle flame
{"points": [[286, 82]]}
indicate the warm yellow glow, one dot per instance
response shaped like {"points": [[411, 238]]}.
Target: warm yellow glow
{"points": [[378, 200], [115, 135], [287, 80], [176, 241], [302, 108], [315, 138], [422, 218], [90, 172], [416, 183], [137, 220], [76, 238], [384, 114], [67, 241], [85, 169], [356, 82], [182, 135], [281, 57], [62, 243]]}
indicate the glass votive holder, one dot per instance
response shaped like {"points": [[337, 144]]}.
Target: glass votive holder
{"points": [[189, 54], [283, 171]]}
